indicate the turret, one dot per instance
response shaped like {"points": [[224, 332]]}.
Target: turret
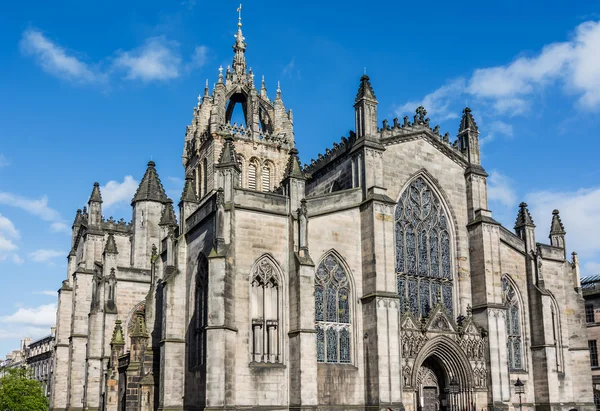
{"points": [[557, 232], [228, 169], [525, 228], [475, 175], [139, 337], [75, 228], [188, 202], [147, 211], [294, 181], [365, 109], [168, 224], [95, 207], [468, 137]]}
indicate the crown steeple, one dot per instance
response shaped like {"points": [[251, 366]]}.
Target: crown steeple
{"points": [[239, 48]]}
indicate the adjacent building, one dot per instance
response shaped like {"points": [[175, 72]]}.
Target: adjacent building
{"points": [[40, 360], [590, 286], [374, 277]]}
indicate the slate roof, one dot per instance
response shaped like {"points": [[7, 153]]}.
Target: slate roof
{"points": [[150, 188]]}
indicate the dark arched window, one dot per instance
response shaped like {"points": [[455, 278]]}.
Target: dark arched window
{"points": [[332, 311], [513, 325], [198, 346], [423, 256]]}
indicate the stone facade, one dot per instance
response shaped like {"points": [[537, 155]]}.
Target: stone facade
{"points": [[40, 360], [374, 277]]}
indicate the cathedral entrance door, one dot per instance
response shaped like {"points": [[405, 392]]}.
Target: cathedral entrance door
{"points": [[430, 399]]}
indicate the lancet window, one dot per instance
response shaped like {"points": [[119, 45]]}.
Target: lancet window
{"points": [[204, 176], [198, 346], [332, 312], [252, 176], [513, 325], [423, 252], [266, 178], [265, 305]]}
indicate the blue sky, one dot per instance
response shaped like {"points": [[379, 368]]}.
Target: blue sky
{"points": [[90, 91]]}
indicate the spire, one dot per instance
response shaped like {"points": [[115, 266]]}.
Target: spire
{"points": [[78, 218], [467, 122], [524, 218], [278, 95], [150, 188], [293, 168], [117, 336], [168, 215], [239, 48], [189, 194], [111, 245], [95, 196], [365, 90], [228, 154], [206, 92], [557, 227]]}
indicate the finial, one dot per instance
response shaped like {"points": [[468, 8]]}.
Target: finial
{"points": [[199, 99], [239, 10], [365, 71], [278, 87]]}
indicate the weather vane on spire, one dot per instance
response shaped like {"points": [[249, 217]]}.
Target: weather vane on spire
{"points": [[239, 10]]}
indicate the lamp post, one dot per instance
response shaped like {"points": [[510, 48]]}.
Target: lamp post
{"points": [[520, 389], [454, 389]]}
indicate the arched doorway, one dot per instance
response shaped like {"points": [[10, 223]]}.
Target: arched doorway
{"points": [[442, 378]]}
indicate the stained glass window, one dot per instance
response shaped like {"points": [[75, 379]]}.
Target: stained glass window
{"points": [[513, 325], [332, 312], [423, 254]]}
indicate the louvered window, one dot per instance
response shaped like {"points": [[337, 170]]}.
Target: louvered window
{"points": [[252, 176], [266, 179]]}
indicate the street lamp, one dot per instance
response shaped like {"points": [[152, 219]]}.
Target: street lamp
{"points": [[454, 389], [520, 389]]}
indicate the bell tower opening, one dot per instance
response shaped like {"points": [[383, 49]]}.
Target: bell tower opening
{"points": [[237, 110]]}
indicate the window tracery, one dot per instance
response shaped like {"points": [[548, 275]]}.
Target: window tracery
{"points": [[332, 312], [423, 254], [265, 301], [252, 176], [266, 178], [513, 325]]}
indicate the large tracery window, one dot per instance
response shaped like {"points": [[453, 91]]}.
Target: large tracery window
{"points": [[332, 312], [265, 297], [198, 346], [513, 325], [423, 256]]}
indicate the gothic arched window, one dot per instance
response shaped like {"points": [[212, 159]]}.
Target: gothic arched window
{"points": [[423, 256], [198, 346], [265, 308], [513, 325], [332, 311]]}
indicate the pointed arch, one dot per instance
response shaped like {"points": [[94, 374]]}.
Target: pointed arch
{"points": [[253, 167], [242, 164], [515, 325], [425, 247], [334, 309], [557, 333], [197, 354], [266, 308], [452, 357], [268, 172]]}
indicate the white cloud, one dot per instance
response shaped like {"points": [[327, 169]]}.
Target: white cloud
{"points": [[157, 59], [6, 245], [18, 332], [44, 315], [42, 255], [38, 208], [17, 259], [55, 59], [199, 58], [508, 89], [437, 103], [4, 161], [114, 192], [579, 212], [495, 129], [7, 227], [48, 292], [60, 226], [500, 189]]}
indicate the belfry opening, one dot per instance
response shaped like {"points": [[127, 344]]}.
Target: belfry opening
{"points": [[237, 110]]}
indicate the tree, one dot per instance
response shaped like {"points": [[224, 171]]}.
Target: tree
{"points": [[18, 392]]}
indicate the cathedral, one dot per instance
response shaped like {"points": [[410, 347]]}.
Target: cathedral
{"points": [[373, 278]]}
